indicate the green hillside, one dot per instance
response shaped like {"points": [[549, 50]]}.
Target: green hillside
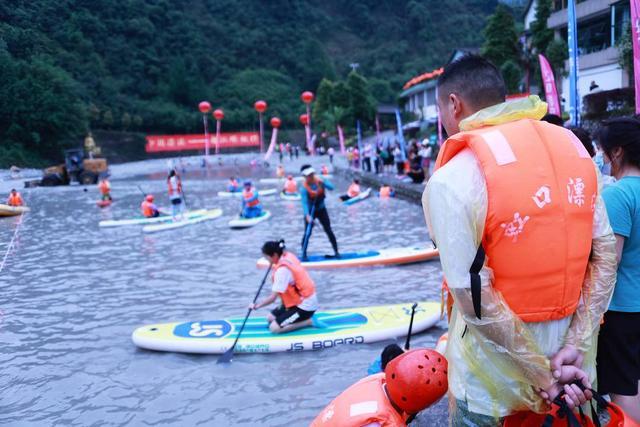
{"points": [[71, 65]]}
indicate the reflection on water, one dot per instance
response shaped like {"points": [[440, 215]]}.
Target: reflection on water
{"points": [[73, 293]]}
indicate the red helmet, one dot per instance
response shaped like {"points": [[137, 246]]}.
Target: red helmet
{"points": [[149, 198], [289, 176], [417, 379]]}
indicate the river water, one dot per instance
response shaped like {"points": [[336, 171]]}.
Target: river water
{"points": [[72, 293]]}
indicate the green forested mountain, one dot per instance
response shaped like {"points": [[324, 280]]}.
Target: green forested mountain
{"points": [[67, 66]]}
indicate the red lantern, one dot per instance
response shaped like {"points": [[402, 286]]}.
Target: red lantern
{"points": [[260, 106], [204, 107], [304, 119], [307, 97], [275, 122], [218, 114]]}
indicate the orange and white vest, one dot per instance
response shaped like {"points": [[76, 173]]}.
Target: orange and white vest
{"points": [[247, 195], [302, 286], [15, 199], [175, 189], [354, 190], [542, 189], [363, 403], [147, 209], [385, 192], [290, 186], [104, 187]]}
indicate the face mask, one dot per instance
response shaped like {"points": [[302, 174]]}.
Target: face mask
{"points": [[605, 168]]}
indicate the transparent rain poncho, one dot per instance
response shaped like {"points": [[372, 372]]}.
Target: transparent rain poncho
{"points": [[497, 363]]}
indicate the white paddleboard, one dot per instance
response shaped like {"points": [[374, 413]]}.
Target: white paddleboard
{"points": [[144, 221], [239, 222], [366, 258], [360, 197], [344, 326], [290, 196], [208, 215], [268, 192], [282, 180]]}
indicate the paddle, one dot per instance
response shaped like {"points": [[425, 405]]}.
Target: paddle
{"points": [[413, 313], [141, 190], [227, 357], [307, 232]]}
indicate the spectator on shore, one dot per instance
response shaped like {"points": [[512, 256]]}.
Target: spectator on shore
{"points": [[397, 157]]}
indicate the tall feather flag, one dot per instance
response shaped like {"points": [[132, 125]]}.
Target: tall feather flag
{"points": [[550, 90], [635, 33], [574, 100]]}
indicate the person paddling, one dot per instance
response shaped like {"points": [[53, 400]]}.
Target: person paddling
{"points": [[290, 186], [293, 285], [174, 184], [527, 251], [411, 382], [313, 195], [324, 170], [148, 208], [386, 191], [105, 189], [15, 198], [233, 186], [251, 207], [353, 191], [280, 171]]}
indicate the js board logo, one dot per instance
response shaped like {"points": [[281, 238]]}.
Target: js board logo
{"points": [[204, 329]]}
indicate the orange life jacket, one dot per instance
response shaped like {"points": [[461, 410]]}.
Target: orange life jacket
{"points": [[233, 183], [247, 195], [104, 187], [542, 189], [290, 186], [147, 209], [354, 190], [177, 189], [385, 192], [314, 194], [15, 199], [302, 286], [363, 403]]}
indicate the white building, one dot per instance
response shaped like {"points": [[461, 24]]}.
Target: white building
{"points": [[600, 25]]}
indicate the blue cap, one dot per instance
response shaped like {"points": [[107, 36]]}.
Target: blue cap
{"points": [[247, 182]]}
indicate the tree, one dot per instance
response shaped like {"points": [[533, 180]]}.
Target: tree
{"points": [[361, 102], [501, 39], [323, 102], [512, 75], [541, 34]]}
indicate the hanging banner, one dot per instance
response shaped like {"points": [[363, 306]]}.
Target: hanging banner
{"points": [[550, 90], [635, 35], [574, 100], [160, 143], [401, 136], [272, 145]]}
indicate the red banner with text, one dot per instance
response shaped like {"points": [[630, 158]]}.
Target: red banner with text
{"points": [[158, 143]]}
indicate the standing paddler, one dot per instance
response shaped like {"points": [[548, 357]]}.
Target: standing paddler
{"points": [[313, 207]]}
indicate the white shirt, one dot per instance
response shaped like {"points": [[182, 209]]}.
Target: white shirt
{"points": [[283, 279]]}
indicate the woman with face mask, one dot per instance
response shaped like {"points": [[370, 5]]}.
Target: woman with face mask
{"points": [[619, 341]]}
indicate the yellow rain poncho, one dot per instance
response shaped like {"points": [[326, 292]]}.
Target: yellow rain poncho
{"points": [[497, 363]]}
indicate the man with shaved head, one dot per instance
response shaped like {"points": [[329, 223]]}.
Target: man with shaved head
{"points": [[515, 209]]}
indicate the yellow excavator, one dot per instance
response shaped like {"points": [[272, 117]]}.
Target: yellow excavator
{"points": [[80, 164]]}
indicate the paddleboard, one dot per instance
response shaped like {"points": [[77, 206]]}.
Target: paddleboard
{"points": [[281, 180], [366, 258], [6, 210], [239, 222], [360, 197], [209, 214], [268, 192], [345, 326], [144, 221], [290, 196], [104, 203]]}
